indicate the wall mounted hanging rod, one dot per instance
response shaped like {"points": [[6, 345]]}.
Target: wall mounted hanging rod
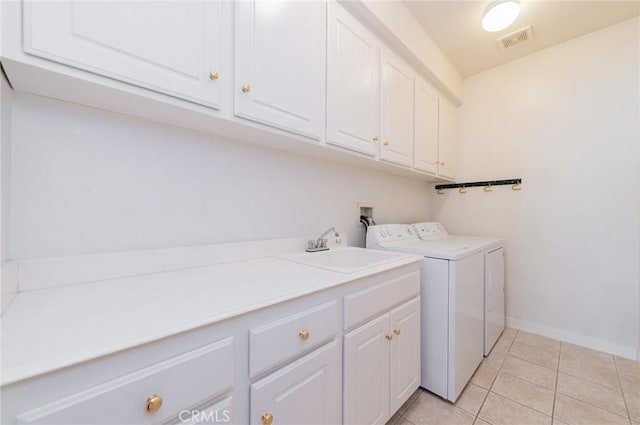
{"points": [[512, 182]]}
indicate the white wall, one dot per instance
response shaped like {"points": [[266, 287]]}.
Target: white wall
{"points": [[88, 181], [565, 120], [5, 165]]}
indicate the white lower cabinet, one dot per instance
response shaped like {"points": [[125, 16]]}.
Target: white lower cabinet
{"points": [[165, 392], [382, 365], [220, 411], [405, 353], [350, 354], [304, 392], [366, 373]]}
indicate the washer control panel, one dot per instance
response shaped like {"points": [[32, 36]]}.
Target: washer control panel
{"points": [[384, 233], [430, 230]]}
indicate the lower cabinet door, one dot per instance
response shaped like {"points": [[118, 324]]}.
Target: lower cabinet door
{"points": [[366, 373], [405, 352], [306, 391]]}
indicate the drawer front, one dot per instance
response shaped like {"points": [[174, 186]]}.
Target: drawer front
{"points": [[307, 391], [376, 299], [278, 341], [218, 412], [182, 382]]}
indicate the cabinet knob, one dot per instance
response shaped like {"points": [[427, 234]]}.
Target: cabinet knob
{"points": [[386, 143], [154, 403], [214, 75], [389, 336], [267, 418], [396, 331], [304, 334], [437, 162], [375, 138], [246, 88], [442, 163]]}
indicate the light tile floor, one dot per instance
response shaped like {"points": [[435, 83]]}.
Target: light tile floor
{"points": [[530, 379]]}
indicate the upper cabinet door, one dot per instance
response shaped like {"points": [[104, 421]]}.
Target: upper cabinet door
{"points": [[173, 47], [280, 57], [397, 110], [426, 127], [447, 136], [353, 86]]}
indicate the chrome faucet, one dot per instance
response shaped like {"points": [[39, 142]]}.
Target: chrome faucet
{"points": [[320, 244]]}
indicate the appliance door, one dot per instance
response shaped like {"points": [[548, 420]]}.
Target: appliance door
{"points": [[494, 298], [466, 321]]}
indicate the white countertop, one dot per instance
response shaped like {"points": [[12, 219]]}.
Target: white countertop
{"points": [[48, 329]]}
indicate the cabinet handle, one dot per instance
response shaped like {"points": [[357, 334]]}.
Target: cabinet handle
{"points": [[304, 334], [396, 331], [214, 75], [389, 336], [246, 88], [375, 138], [267, 418], [437, 162], [154, 403], [386, 143], [442, 163]]}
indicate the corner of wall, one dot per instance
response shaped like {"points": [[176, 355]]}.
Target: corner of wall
{"points": [[9, 270]]}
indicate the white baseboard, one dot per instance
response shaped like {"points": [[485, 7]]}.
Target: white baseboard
{"points": [[625, 351]]}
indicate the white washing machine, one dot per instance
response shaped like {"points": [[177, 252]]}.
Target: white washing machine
{"points": [[493, 248], [452, 286]]}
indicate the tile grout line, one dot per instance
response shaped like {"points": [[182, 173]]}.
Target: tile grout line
{"points": [[594, 406], [566, 372], [586, 402], [555, 390], [624, 398], [495, 378]]}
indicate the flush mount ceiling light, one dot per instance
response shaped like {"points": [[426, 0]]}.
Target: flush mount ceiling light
{"points": [[500, 14]]}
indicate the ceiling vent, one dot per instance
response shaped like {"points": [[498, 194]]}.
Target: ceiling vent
{"points": [[515, 38]]}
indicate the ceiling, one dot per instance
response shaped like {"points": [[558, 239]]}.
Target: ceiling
{"points": [[455, 25]]}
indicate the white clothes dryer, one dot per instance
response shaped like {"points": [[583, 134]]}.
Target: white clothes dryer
{"points": [[493, 248], [452, 284]]}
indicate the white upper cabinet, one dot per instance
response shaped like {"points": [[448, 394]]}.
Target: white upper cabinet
{"points": [[353, 83], [447, 139], [280, 53], [397, 110], [296, 68], [426, 127], [172, 47]]}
